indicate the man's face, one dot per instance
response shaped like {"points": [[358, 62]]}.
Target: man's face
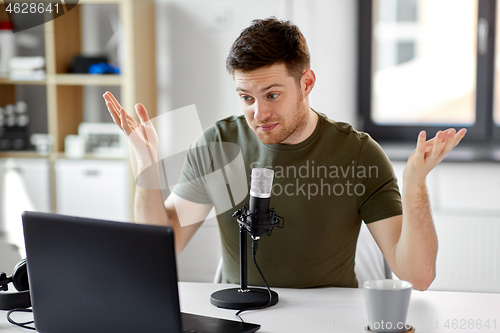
{"points": [[272, 103]]}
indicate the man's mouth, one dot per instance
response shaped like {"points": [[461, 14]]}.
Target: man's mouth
{"points": [[267, 127]]}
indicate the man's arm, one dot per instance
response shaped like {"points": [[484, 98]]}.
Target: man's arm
{"points": [[409, 241], [184, 216]]}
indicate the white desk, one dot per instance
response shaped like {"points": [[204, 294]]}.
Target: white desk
{"points": [[343, 310], [340, 310]]}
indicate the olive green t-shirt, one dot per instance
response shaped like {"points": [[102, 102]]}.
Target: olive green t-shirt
{"points": [[323, 188]]}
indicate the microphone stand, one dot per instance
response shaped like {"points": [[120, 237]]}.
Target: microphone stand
{"points": [[243, 259], [247, 298]]}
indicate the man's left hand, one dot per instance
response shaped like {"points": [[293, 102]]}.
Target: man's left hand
{"points": [[430, 153]]}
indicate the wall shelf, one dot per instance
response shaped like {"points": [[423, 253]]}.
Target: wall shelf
{"points": [[6, 81], [20, 154], [86, 79], [63, 40]]}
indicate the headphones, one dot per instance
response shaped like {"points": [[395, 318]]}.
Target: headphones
{"points": [[19, 279]]}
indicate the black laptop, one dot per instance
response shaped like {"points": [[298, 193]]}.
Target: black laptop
{"points": [[90, 275]]}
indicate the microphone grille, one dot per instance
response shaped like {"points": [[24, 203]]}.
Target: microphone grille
{"points": [[261, 183]]}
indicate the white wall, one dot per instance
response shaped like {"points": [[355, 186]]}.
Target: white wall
{"points": [[330, 28]]}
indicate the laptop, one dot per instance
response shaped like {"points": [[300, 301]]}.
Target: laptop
{"points": [[89, 275]]}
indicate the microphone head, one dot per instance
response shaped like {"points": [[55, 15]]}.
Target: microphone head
{"points": [[261, 182]]}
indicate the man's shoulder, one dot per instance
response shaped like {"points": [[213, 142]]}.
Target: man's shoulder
{"points": [[231, 121], [344, 129], [343, 135], [226, 128]]}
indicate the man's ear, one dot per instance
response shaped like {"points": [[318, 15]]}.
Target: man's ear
{"points": [[307, 82]]}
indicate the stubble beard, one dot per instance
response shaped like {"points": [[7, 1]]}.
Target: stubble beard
{"points": [[289, 130]]}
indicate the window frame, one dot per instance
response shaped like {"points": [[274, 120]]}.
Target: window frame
{"points": [[483, 130]]}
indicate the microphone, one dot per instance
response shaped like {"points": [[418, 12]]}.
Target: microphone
{"points": [[257, 218]]}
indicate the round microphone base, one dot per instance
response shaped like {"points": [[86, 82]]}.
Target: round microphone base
{"points": [[236, 299]]}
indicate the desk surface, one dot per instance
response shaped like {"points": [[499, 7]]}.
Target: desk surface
{"points": [[340, 310]]}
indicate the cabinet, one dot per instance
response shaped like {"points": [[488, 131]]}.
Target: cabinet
{"points": [[92, 189], [66, 94], [24, 185]]}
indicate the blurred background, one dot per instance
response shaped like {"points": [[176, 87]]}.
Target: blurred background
{"points": [[389, 67]]}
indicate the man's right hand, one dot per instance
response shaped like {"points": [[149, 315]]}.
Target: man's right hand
{"points": [[149, 204], [142, 136]]}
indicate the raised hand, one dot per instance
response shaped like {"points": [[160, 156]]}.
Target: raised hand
{"points": [[430, 153], [142, 136]]}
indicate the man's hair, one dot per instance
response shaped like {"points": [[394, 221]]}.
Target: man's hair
{"points": [[267, 42]]}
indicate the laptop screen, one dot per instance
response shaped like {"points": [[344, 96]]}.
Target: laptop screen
{"points": [[91, 275]]}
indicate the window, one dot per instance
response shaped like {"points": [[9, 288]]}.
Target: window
{"points": [[496, 108], [427, 64]]}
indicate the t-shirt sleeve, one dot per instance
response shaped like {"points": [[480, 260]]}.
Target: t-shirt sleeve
{"points": [[191, 184], [381, 198]]}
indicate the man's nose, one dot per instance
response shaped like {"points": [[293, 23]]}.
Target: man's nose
{"points": [[261, 111]]}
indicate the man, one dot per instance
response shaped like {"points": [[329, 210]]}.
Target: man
{"points": [[328, 177]]}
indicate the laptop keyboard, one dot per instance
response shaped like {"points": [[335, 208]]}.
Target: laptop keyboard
{"points": [[192, 323]]}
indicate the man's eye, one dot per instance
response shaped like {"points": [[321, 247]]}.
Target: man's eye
{"points": [[246, 98], [272, 96]]}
